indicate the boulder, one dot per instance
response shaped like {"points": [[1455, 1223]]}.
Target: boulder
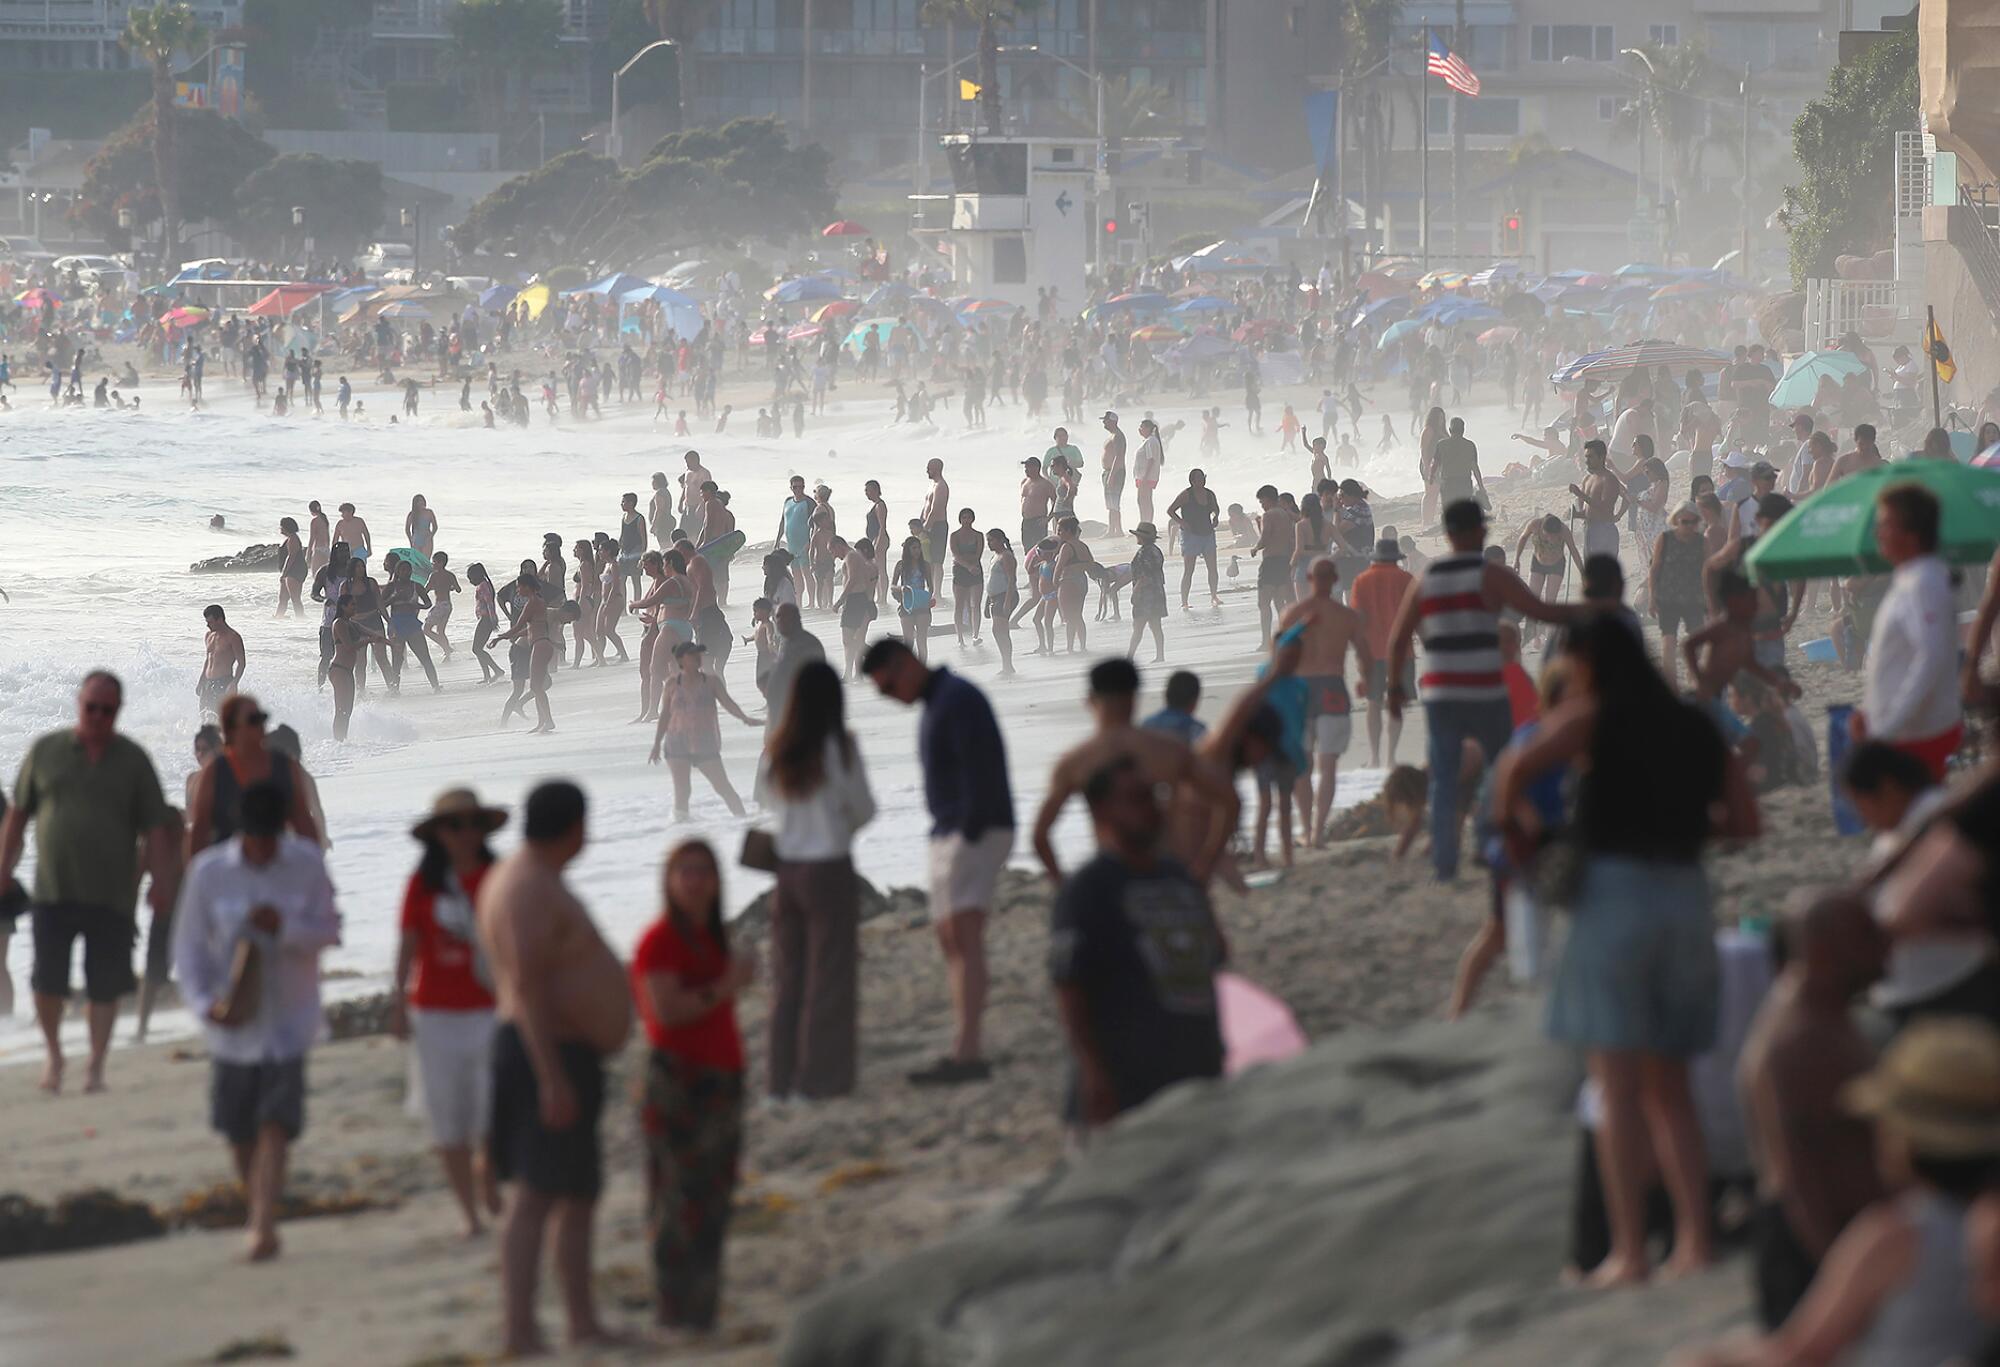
{"points": [[261, 559], [1385, 1197]]}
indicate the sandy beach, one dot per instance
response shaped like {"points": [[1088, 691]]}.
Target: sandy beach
{"points": [[1352, 941]]}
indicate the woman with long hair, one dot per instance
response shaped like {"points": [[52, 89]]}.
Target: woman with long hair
{"points": [[291, 568], [1427, 442], [686, 978], [216, 802], [442, 999], [1002, 597], [816, 791], [915, 599], [689, 731], [1637, 989]]}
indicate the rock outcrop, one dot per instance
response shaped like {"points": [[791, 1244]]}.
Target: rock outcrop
{"points": [[262, 559], [1385, 1198]]}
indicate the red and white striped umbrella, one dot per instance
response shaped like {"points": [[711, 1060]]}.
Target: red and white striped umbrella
{"points": [[1618, 360]]}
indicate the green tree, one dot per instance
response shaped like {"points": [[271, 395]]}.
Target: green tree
{"points": [[989, 16], [1844, 142], [343, 201], [154, 36], [492, 40], [538, 211], [1677, 83], [214, 156]]}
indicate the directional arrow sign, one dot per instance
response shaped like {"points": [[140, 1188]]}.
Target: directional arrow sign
{"points": [[1063, 201]]}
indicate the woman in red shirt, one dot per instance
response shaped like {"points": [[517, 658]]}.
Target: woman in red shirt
{"points": [[442, 971], [686, 979]]}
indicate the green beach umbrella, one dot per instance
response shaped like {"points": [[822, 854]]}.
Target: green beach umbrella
{"points": [[1833, 532]]}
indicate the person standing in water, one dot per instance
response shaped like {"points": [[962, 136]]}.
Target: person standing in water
{"points": [[319, 538], [563, 1007], [406, 601], [291, 568], [441, 586], [966, 545], [532, 623], [420, 525], [352, 530], [222, 663], [349, 638]]}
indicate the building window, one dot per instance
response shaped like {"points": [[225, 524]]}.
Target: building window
{"points": [[1609, 107], [1585, 42], [1010, 260], [1663, 35], [1484, 118]]}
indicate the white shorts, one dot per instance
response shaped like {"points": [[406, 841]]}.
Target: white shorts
{"points": [[1331, 732], [451, 1073], [965, 874]]}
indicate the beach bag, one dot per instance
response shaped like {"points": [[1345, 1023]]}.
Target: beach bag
{"points": [[760, 851]]}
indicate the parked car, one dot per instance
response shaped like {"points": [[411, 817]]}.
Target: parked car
{"points": [[104, 271]]}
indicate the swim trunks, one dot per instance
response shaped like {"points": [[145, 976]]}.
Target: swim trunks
{"points": [[565, 1163], [1196, 543], [1033, 529], [857, 610], [213, 691], [1327, 712], [1273, 573]]}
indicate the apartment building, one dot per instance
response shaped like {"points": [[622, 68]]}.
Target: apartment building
{"points": [[82, 35]]}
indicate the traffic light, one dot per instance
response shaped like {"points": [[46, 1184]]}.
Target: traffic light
{"points": [[1111, 227], [1510, 235]]}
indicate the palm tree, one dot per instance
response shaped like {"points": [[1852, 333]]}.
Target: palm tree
{"points": [[1672, 102], [1368, 34], [156, 34], [989, 15]]}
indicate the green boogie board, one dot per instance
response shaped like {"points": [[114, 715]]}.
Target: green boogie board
{"points": [[724, 548]]}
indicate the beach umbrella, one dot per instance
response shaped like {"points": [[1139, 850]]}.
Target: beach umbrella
{"points": [[1396, 332], [1259, 329], [535, 298], [804, 332], [1801, 383], [38, 298], [1641, 268], [1203, 346], [497, 297], [887, 296], [285, 300], [882, 328], [1132, 303], [1832, 532], [187, 316], [1376, 285], [845, 227], [1618, 360], [807, 289], [839, 308], [995, 307], [1256, 1026], [1204, 303], [1690, 288], [681, 270], [614, 286], [403, 308], [657, 294], [1455, 311], [1157, 332], [1499, 336]]}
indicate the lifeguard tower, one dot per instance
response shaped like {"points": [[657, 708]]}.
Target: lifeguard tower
{"points": [[1021, 216]]}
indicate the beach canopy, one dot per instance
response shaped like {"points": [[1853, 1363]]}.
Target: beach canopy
{"points": [[286, 299], [845, 227], [1618, 360], [839, 308], [649, 293], [615, 286], [403, 308], [1832, 532], [807, 289], [1396, 332], [1801, 383]]}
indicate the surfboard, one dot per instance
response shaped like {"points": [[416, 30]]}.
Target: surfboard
{"points": [[724, 548], [420, 565]]}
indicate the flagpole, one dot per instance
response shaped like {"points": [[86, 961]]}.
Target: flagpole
{"points": [[1930, 354], [1424, 159]]}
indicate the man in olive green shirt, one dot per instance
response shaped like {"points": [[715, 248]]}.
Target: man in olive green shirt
{"points": [[93, 796]]}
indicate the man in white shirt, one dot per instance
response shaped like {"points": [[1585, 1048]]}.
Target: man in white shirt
{"points": [[269, 890], [1146, 466], [1912, 696], [1797, 473]]}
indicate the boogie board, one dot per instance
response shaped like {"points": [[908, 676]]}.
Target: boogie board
{"points": [[420, 565], [724, 548]]}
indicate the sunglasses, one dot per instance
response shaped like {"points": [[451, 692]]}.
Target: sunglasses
{"points": [[100, 709], [257, 718]]}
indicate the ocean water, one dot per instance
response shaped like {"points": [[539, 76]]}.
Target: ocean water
{"points": [[102, 513]]}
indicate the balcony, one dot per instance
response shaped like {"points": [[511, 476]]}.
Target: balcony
{"points": [[412, 19], [27, 20]]}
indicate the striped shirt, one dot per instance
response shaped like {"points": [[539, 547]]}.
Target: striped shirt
{"points": [[1461, 634]]}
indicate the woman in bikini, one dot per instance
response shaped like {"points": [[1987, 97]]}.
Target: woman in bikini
{"points": [[911, 584], [291, 568], [349, 639], [1001, 597], [586, 598]]}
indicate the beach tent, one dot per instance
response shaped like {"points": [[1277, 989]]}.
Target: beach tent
{"points": [[286, 300], [1832, 532], [1800, 386], [535, 298], [497, 297]]}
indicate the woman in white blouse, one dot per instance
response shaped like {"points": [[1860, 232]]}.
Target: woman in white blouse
{"points": [[813, 785]]}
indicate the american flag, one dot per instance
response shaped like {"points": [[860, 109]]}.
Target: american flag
{"points": [[1451, 69]]}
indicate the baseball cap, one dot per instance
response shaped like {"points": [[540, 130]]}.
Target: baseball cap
{"points": [[1736, 460], [1109, 416]]}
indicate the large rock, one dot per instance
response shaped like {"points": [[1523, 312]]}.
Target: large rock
{"points": [[262, 558], [1384, 1198]]}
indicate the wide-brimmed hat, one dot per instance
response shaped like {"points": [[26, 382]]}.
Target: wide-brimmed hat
{"points": [[1146, 531], [460, 802], [1938, 1086], [1387, 552]]}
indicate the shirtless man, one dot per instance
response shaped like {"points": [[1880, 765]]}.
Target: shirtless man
{"points": [[1699, 431], [563, 1006], [1205, 807], [442, 585], [1731, 649], [1275, 542], [711, 628], [966, 546], [1113, 472], [1197, 511], [1864, 456], [319, 538], [936, 519], [875, 526], [660, 511], [532, 621], [857, 602], [1330, 628], [717, 522], [222, 662], [354, 531], [691, 501], [349, 639], [631, 543], [1038, 494], [1600, 499]]}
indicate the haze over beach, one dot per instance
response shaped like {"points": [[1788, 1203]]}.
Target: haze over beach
{"points": [[1310, 685]]}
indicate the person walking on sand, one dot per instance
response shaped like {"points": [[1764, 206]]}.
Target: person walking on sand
{"points": [[972, 832], [245, 759], [686, 977], [1113, 463], [1149, 592], [441, 998], [93, 797], [1196, 512], [532, 622], [689, 732], [1377, 593], [1638, 986], [1330, 628], [815, 788], [254, 915], [563, 1007], [1600, 501], [222, 661], [1133, 948]]}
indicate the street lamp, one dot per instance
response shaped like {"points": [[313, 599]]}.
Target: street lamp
{"points": [[413, 218], [680, 90]]}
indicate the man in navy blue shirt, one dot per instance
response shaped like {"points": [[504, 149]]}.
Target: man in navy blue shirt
{"points": [[972, 833]]}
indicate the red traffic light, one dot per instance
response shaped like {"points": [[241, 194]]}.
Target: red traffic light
{"points": [[1110, 225], [1513, 223]]}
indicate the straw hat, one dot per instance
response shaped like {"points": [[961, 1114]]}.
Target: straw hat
{"points": [[460, 802], [1146, 531], [1939, 1087]]}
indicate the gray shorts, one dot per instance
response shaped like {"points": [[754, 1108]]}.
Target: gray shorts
{"points": [[243, 1098]]}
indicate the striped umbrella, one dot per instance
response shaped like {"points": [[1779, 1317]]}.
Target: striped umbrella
{"points": [[1618, 360]]}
